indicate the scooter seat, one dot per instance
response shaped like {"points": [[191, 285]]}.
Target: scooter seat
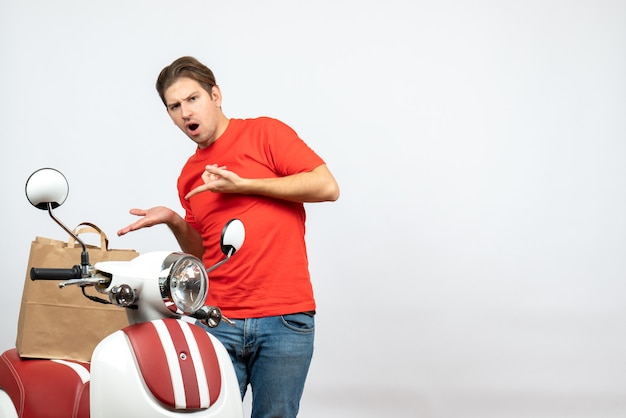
{"points": [[45, 388]]}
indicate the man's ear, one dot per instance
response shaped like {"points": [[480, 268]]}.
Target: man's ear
{"points": [[216, 95]]}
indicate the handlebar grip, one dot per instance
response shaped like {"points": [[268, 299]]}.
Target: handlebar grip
{"points": [[55, 274]]}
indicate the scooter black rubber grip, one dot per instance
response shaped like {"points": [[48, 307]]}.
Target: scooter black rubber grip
{"points": [[55, 274]]}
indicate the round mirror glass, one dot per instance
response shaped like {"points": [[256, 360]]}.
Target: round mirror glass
{"points": [[45, 186], [233, 235]]}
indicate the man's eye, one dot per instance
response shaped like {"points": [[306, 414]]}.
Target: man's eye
{"points": [[174, 107]]}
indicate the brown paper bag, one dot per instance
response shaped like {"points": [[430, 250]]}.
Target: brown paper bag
{"points": [[62, 323]]}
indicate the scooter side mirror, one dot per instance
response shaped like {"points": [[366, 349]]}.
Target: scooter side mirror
{"points": [[47, 188], [233, 235]]}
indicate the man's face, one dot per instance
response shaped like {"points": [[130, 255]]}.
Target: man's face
{"points": [[196, 112]]}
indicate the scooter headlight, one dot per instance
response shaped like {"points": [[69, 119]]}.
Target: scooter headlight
{"points": [[184, 283]]}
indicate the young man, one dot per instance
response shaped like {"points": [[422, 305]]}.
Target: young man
{"points": [[260, 171]]}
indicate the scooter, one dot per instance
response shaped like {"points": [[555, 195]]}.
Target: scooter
{"points": [[161, 365]]}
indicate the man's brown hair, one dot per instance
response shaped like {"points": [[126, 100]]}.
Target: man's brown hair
{"points": [[185, 67]]}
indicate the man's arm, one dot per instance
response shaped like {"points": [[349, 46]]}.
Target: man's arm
{"points": [[317, 185], [188, 238]]}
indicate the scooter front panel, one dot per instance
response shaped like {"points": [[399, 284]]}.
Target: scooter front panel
{"points": [[119, 389], [178, 363]]}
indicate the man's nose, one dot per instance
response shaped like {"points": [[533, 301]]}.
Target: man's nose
{"points": [[185, 110]]}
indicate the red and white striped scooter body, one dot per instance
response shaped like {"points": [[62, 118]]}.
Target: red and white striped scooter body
{"points": [[163, 368]]}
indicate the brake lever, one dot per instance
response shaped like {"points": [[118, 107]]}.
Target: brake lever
{"points": [[86, 281]]}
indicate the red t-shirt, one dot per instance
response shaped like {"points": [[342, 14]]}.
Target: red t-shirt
{"points": [[269, 275]]}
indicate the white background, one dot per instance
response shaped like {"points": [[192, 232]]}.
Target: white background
{"points": [[474, 264]]}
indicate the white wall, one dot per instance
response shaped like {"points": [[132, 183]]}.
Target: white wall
{"points": [[474, 265]]}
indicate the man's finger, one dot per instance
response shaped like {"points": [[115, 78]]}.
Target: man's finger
{"points": [[197, 190]]}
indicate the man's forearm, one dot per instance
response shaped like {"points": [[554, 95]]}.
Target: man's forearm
{"points": [[188, 238], [317, 185]]}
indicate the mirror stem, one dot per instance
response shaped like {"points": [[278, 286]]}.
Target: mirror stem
{"points": [[210, 269], [84, 257]]}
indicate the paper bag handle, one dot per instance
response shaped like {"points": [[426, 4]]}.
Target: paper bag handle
{"points": [[88, 227]]}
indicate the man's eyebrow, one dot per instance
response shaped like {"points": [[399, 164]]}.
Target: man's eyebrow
{"points": [[193, 93]]}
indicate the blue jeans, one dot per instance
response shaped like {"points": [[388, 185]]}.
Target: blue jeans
{"points": [[273, 355]]}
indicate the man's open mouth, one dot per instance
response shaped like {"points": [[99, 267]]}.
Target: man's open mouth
{"points": [[193, 126]]}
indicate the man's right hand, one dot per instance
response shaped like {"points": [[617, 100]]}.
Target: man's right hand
{"points": [[154, 216]]}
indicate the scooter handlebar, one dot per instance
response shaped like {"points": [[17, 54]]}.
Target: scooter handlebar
{"points": [[55, 274]]}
